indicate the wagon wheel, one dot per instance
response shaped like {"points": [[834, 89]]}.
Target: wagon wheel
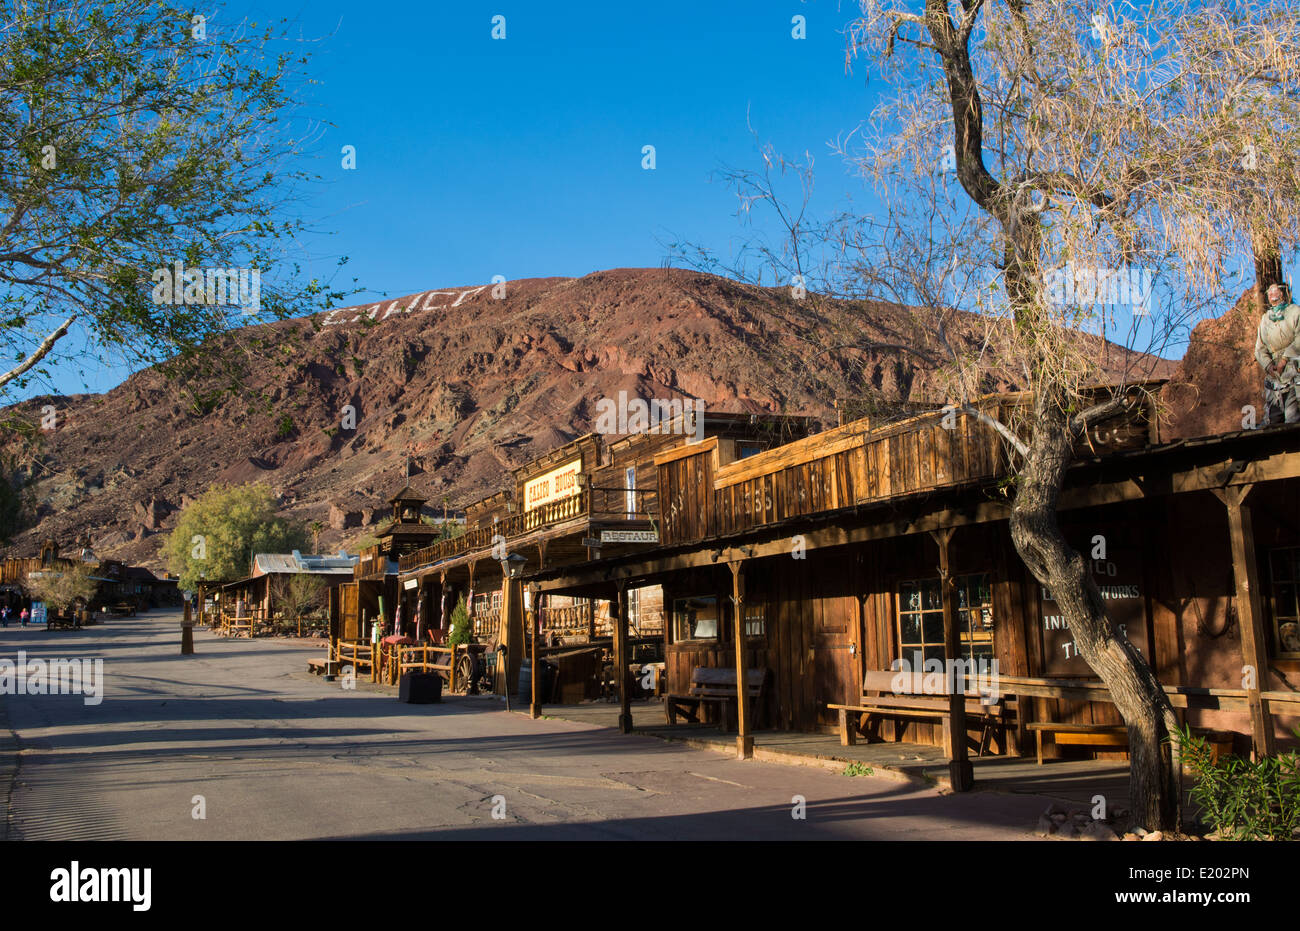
{"points": [[465, 670]]}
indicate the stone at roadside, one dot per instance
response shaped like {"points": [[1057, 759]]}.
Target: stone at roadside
{"points": [[1097, 831], [1154, 835]]}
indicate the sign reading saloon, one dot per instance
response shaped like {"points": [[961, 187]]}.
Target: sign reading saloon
{"points": [[559, 483], [1119, 577]]}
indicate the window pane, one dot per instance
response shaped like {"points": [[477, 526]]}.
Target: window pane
{"points": [[695, 618], [933, 627], [910, 628]]}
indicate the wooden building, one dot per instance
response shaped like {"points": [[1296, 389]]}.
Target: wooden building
{"points": [[835, 556], [592, 499], [371, 597], [829, 557], [118, 586], [251, 602]]}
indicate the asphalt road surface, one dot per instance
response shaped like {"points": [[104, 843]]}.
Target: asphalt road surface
{"points": [[243, 735]]}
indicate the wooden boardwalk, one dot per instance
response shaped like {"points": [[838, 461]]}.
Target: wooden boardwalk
{"points": [[1072, 781]]}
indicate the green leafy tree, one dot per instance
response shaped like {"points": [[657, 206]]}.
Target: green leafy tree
{"points": [[217, 534], [138, 136], [62, 587]]}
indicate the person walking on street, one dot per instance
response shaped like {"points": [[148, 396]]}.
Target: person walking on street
{"points": [[24, 616]]}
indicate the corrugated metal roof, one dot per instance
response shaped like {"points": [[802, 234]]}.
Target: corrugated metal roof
{"points": [[294, 563]]}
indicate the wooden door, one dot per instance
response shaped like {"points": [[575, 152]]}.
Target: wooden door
{"points": [[833, 621], [349, 615], [832, 613]]}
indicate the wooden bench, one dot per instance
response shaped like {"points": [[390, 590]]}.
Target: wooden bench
{"points": [[1091, 735], [320, 665], [718, 686], [881, 700]]}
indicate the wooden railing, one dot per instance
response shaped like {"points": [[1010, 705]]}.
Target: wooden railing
{"points": [[486, 624], [240, 625], [355, 653], [853, 465], [371, 561], [569, 619], [422, 658], [591, 504]]}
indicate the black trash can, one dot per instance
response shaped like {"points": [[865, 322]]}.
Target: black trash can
{"points": [[420, 688], [544, 686]]}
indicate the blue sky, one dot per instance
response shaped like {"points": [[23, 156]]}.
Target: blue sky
{"points": [[522, 157]]}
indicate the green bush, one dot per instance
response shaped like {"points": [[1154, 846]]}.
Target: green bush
{"points": [[1240, 799], [460, 629]]}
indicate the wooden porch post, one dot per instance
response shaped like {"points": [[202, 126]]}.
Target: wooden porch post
{"points": [[960, 772], [744, 739], [533, 615], [1245, 572], [444, 611], [618, 608], [469, 598]]}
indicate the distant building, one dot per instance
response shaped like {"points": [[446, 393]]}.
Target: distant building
{"points": [[253, 597], [118, 583]]}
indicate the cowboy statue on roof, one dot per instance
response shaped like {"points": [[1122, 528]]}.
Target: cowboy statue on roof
{"points": [[1277, 350]]}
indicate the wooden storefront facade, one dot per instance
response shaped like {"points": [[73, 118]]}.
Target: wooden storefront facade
{"points": [[837, 539], [848, 550]]}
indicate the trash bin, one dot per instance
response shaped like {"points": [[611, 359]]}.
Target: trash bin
{"points": [[420, 688], [545, 686]]}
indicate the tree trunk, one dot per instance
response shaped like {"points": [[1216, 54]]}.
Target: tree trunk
{"points": [[1035, 530], [1268, 269]]}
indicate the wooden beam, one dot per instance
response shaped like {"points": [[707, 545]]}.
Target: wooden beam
{"points": [[533, 614], [744, 739], [1245, 572], [618, 608], [960, 772]]}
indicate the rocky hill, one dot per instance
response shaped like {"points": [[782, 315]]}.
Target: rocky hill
{"points": [[457, 385]]}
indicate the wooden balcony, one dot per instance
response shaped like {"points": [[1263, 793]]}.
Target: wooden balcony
{"points": [[371, 562], [856, 464], [590, 506]]}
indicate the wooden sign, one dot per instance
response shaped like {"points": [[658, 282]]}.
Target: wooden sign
{"points": [[629, 536], [1119, 577], [555, 485]]}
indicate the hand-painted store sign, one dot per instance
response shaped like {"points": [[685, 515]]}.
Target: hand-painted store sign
{"points": [[1119, 579], [429, 300], [556, 484]]}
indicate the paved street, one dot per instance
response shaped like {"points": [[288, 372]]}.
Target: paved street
{"points": [[279, 754]]}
